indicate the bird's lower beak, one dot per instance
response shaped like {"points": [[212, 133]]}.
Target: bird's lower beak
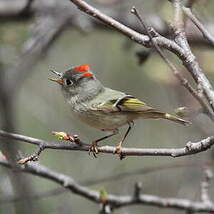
{"points": [[59, 81]]}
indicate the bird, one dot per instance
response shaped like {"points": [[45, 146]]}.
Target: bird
{"points": [[104, 108]]}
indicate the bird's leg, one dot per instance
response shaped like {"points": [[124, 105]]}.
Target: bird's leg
{"points": [[119, 145], [93, 147]]}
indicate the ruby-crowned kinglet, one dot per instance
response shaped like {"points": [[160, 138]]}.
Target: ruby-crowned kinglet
{"points": [[101, 107]]}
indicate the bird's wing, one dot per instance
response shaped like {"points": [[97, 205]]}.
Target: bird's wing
{"points": [[131, 104], [126, 104]]}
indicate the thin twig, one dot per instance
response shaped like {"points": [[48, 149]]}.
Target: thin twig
{"points": [[206, 34], [33, 157]]}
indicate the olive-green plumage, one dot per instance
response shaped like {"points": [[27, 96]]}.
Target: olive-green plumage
{"points": [[130, 104]]}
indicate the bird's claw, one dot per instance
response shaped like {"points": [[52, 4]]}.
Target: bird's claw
{"points": [[93, 149], [118, 150]]}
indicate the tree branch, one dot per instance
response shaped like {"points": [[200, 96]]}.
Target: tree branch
{"points": [[114, 201], [189, 149], [152, 33], [132, 34], [183, 52], [205, 184], [189, 59], [18, 10], [110, 178]]}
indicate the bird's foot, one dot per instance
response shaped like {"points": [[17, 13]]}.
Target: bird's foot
{"points": [[93, 149], [118, 150]]}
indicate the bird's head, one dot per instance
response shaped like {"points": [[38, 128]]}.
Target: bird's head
{"points": [[77, 80]]}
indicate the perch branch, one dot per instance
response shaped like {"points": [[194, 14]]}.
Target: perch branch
{"points": [[189, 149]]}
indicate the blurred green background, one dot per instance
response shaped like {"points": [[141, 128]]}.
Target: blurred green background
{"points": [[40, 109]]}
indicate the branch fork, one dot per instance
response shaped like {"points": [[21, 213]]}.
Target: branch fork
{"points": [[61, 136]]}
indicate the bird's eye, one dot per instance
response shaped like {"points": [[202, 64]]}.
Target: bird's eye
{"points": [[68, 82]]}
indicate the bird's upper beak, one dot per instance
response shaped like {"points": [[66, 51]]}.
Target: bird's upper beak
{"points": [[59, 80]]}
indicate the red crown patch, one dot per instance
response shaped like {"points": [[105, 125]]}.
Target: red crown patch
{"points": [[87, 74], [82, 68]]}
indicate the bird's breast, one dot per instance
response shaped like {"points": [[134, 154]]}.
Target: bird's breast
{"points": [[102, 120]]}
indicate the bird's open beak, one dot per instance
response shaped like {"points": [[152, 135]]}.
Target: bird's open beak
{"points": [[59, 81]]}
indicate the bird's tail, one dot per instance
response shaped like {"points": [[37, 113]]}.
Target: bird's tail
{"points": [[158, 114], [176, 119]]}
